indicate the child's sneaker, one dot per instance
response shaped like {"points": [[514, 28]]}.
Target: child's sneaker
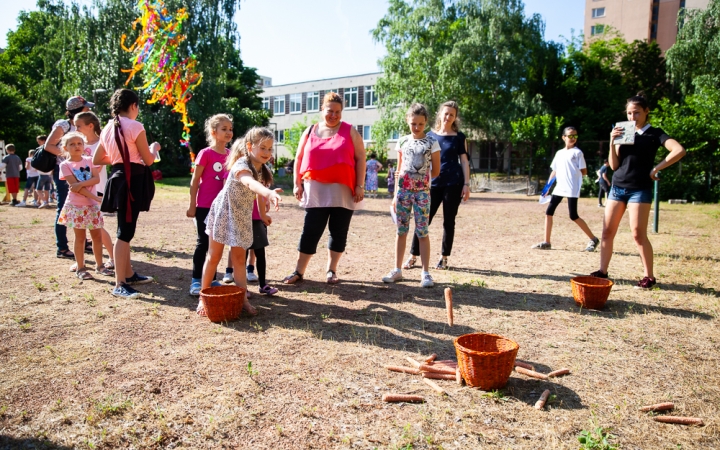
{"points": [[215, 283], [646, 283], [138, 279], [228, 278], [125, 291], [251, 277], [426, 281], [542, 246], [268, 290], [21, 204], [195, 287], [393, 276], [592, 245]]}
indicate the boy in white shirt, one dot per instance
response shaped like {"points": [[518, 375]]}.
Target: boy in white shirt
{"points": [[568, 169]]}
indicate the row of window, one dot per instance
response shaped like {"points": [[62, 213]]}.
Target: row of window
{"points": [[312, 100], [366, 134]]}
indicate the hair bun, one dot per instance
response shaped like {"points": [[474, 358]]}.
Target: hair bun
{"points": [[641, 94]]}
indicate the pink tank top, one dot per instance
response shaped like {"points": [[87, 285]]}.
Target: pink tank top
{"points": [[322, 153]]}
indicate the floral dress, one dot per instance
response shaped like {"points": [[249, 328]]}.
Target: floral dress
{"points": [[371, 177], [229, 221]]}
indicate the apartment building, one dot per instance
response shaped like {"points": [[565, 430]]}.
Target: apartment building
{"points": [[648, 20], [298, 102]]}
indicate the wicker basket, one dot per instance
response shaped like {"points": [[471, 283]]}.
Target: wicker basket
{"points": [[222, 303], [591, 292], [485, 360]]}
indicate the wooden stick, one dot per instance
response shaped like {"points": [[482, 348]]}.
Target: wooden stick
{"points": [[402, 398], [658, 407], [557, 373], [413, 362], [403, 369], [436, 369], [445, 361], [438, 376], [458, 376], [531, 373], [434, 385], [430, 358], [680, 420], [524, 365], [449, 305], [540, 404]]}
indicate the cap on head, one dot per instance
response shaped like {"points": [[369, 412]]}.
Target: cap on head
{"points": [[77, 102]]}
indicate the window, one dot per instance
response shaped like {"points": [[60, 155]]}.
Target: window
{"points": [[295, 103], [279, 136], [370, 96], [266, 103], [351, 97], [313, 101], [367, 133], [332, 90], [598, 12], [596, 29], [279, 105]]}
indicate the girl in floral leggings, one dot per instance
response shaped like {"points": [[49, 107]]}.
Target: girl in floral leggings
{"points": [[418, 156]]}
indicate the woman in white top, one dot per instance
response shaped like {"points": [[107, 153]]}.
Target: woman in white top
{"points": [[568, 169]]}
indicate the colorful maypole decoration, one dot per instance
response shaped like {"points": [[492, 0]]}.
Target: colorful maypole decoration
{"points": [[167, 77]]}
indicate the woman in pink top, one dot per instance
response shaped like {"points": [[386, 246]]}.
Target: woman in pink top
{"points": [[207, 182], [130, 188], [329, 176]]}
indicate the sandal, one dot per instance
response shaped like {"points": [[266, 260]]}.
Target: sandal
{"points": [[332, 277], [110, 265], [268, 290], [410, 263], [84, 274], [65, 254], [293, 278], [73, 268], [105, 271]]}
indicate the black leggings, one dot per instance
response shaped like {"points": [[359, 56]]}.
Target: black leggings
{"points": [[337, 221], [450, 197], [202, 244], [260, 263], [572, 206], [603, 189]]}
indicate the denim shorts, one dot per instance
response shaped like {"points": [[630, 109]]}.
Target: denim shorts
{"points": [[626, 196], [44, 183], [31, 182]]}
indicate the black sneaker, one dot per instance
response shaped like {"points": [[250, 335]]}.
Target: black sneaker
{"points": [[125, 291], [599, 274], [138, 279]]}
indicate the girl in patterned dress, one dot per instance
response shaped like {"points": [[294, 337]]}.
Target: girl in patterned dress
{"points": [[371, 178], [229, 221]]}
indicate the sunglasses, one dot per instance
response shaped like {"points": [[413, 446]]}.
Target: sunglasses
{"points": [[571, 136]]}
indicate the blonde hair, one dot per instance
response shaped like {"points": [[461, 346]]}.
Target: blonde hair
{"points": [[65, 139], [438, 118], [331, 97], [254, 136], [89, 117], [212, 123]]}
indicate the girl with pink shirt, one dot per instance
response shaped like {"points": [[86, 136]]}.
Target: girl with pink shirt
{"points": [[81, 210], [207, 182], [130, 187]]}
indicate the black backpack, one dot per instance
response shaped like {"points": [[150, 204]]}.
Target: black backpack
{"points": [[43, 160]]}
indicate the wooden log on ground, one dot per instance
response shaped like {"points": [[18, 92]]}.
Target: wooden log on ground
{"points": [[438, 376], [524, 365], [531, 373], [436, 368], [402, 398], [680, 420], [403, 369], [430, 358], [658, 407], [413, 362], [434, 385], [558, 373], [540, 404]]}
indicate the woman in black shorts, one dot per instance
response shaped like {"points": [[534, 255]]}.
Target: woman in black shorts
{"points": [[632, 184]]}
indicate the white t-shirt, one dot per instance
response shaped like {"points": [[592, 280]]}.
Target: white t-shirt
{"points": [[416, 164], [568, 178], [31, 171], [90, 150]]}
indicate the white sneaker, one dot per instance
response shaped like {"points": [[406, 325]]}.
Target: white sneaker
{"points": [[20, 204], [42, 205], [251, 277], [426, 281], [393, 276], [228, 278]]}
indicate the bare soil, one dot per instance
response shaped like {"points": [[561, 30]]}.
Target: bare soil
{"points": [[82, 369]]}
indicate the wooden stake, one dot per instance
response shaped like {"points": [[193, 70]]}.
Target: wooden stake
{"points": [[540, 404], [434, 385]]}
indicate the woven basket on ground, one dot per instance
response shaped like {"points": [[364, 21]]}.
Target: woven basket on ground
{"points": [[591, 292], [222, 303], [485, 360]]}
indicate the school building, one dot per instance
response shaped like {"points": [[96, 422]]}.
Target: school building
{"points": [[300, 102], [645, 20]]}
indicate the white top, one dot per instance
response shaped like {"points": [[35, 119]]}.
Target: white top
{"points": [[568, 178], [90, 150], [328, 195], [31, 172]]}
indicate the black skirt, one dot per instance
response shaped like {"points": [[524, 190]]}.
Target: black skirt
{"points": [[260, 239], [142, 187]]}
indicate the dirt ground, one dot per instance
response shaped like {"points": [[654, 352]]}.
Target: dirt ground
{"points": [[82, 369]]}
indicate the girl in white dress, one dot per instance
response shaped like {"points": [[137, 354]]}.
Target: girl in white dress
{"points": [[229, 221]]}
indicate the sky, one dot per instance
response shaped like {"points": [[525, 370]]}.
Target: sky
{"points": [[292, 40]]}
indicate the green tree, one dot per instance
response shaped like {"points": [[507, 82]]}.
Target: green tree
{"points": [[540, 131], [293, 134]]}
